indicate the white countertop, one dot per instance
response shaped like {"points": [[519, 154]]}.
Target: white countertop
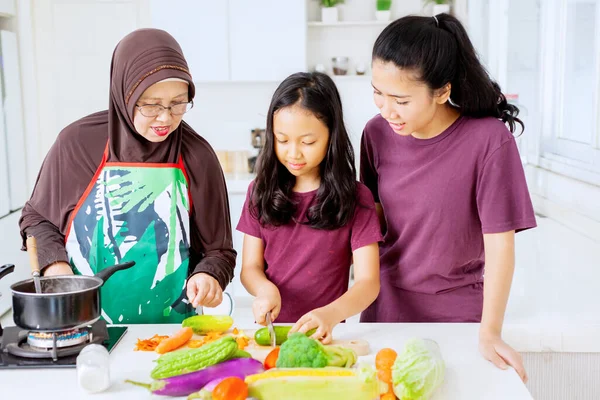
{"points": [[468, 375]]}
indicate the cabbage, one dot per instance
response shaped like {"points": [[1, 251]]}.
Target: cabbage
{"points": [[419, 370]]}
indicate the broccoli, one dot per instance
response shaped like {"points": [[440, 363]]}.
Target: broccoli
{"points": [[300, 351]]}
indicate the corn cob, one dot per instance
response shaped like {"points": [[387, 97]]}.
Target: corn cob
{"points": [[183, 362], [289, 372], [313, 384]]}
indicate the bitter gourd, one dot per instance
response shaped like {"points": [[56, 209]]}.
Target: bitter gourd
{"points": [[186, 361]]}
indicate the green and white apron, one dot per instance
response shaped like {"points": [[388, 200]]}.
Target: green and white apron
{"points": [[135, 212]]}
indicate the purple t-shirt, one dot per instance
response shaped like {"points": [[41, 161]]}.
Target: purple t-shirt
{"points": [[439, 197], [311, 267]]}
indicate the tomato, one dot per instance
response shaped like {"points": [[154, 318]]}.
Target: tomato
{"points": [[271, 359], [232, 388]]}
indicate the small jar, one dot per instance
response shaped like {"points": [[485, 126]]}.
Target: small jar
{"points": [[361, 68], [340, 65], [93, 365]]}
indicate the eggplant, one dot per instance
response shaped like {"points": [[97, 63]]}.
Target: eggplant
{"points": [[183, 385]]}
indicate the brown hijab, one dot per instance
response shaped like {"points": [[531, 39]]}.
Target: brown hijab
{"points": [[141, 59]]}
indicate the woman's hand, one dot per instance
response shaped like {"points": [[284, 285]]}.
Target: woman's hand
{"points": [[58, 268], [494, 349], [204, 290], [322, 319], [268, 300]]}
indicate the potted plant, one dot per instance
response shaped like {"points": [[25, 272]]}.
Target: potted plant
{"points": [[383, 12], [329, 11], [439, 6]]}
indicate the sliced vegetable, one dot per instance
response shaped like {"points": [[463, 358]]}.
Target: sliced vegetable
{"points": [[203, 324], [271, 359], [232, 388], [383, 362], [183, 385], [209, 337], [419, 370], [174, 342], [314, 384], [149, 344], [281, 333], [301, 351], [189, 360]]}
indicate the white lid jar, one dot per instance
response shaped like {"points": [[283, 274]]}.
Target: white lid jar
{"points": [[93, 365]]}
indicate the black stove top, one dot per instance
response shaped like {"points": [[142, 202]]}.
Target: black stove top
{"points": [[16, 353]]}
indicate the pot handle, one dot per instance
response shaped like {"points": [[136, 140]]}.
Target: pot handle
{"points": [[107, 272], [6, 269]]}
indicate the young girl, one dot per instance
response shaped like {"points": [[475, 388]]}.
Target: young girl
{"points": [[448, 182], [306, 219]]}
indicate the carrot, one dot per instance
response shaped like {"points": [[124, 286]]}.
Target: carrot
{"points": [[149, 344], [384, 360], [180, 338]]}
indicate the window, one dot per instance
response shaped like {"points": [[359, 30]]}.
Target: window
{"points": [[570, 138]]}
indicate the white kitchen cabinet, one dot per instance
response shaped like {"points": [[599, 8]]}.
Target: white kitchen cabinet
{"points": [[74, 42], [13, 115], [236, 40], [269, 39], [4, 181], [7, 8], [202, 29]]}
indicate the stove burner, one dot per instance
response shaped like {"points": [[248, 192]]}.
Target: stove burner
{"points": [[54, 345], [45, 340], [16, 353]]}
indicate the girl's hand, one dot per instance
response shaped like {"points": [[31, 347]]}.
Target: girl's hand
{"points": [[322, 319], [268, 300], [58, 268], [204, 290], [494, 349]]}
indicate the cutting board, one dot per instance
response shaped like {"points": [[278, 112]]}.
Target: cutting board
{"points": [[361, 347]]}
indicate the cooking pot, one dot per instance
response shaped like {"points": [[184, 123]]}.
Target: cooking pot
{"points": [[65, 302]]}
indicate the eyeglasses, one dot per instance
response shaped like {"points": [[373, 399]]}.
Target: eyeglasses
{"points": [[154, 110]]}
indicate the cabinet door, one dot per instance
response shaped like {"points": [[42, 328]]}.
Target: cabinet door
{"points": [[74, 42], [201, 28], [4, 181], [268, 39], [7, 8], [13, 114]]}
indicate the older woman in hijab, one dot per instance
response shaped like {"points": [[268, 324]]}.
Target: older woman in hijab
{"points": [[136, 183]]}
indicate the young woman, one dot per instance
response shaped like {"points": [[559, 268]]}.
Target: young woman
{"points": [[448, 182]]}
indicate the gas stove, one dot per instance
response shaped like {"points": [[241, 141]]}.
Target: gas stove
{"points": [[20, 348]]}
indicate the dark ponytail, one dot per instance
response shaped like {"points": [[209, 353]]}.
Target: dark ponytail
{"points": [[440, 50]]}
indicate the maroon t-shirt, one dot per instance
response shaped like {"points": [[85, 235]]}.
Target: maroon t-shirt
{"points": [[311, 267], [439, 197]]}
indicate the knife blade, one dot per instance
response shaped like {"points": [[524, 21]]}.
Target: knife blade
{"points": [[271, 330]]}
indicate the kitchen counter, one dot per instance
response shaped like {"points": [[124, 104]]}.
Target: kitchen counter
{"points": [[468, 375]]}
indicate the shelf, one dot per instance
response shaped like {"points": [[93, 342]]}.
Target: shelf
{"points": [[346, 78], [318, 24]]}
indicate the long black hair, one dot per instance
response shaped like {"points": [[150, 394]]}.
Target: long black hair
{"points": [[439, 49], [271, 201]]}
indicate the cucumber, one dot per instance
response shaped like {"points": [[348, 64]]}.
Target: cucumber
{"points": [[202, 324], [281, 333]]}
